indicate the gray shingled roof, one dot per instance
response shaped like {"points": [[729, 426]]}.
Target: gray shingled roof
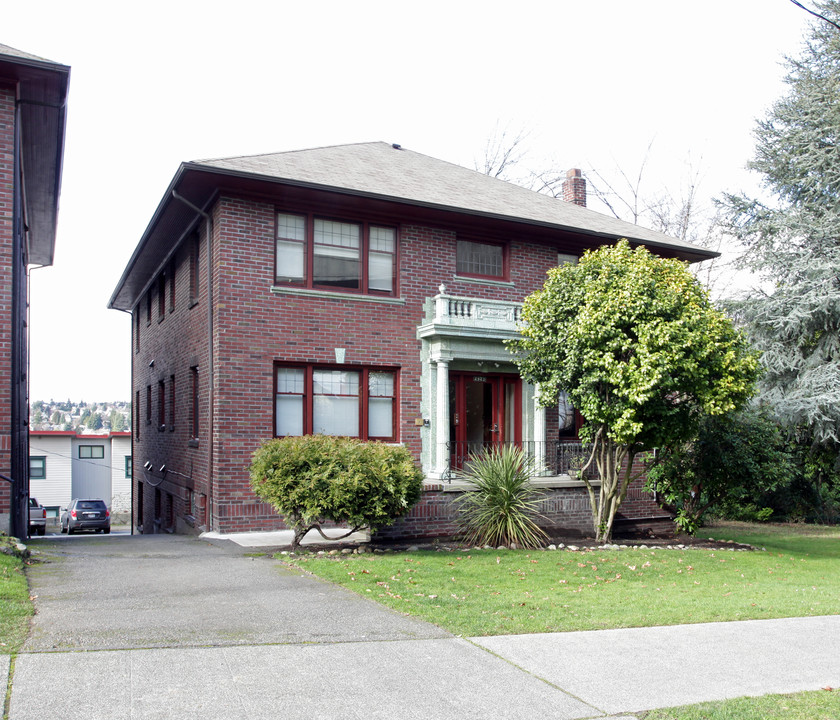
{"points": [[381, 170], [12, 52]]}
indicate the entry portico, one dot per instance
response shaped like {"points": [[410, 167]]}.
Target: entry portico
{"points": [[472, 393]]}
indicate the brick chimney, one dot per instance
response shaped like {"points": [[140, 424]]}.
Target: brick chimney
{"points": [[574, 188]]}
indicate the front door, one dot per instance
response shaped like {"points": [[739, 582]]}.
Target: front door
{"points": [[484, 412]]}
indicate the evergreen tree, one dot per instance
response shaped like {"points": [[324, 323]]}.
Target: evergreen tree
{"points": [[792, 241]]}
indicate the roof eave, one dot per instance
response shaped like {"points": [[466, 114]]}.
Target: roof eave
{"points": [[122, 299], [696, 253]]}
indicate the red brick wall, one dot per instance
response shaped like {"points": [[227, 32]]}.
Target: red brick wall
{"points": [[563, 511], [174, 343], [7, 133], [254, 327]]}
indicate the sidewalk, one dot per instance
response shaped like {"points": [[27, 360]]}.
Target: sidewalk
{"points": [[200, 630]]}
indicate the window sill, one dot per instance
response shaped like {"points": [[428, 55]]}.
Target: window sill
{"points": [[359, 297], [485, 281]]}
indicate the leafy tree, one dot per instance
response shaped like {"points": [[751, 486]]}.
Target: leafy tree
{"points": [[634, 341], [792, 241], [735, 460], [117, 421], [56, 417]]}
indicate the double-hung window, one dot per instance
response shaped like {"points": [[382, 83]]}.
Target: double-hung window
{"points": [[355, 402], [37, 467], [335, 255]]}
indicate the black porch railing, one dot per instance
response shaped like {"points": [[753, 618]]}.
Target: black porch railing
{"points": [[549, 458]]}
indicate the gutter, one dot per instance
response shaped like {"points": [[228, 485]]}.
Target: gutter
{"points": [[208, 221]]}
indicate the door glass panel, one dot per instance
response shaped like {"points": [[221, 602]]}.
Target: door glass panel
{"points": [[509, 412]]}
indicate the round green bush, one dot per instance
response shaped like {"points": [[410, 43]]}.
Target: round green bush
{"points": [[315, 478]]}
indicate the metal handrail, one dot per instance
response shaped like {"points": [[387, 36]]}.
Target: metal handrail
{"points": [[550, 459]]}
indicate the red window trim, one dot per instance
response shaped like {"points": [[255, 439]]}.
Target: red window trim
{"points": [[364, 254], [504, 277], [364, 396]]}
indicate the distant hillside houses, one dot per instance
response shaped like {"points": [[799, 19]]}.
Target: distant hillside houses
{"points": [[80, 417]]}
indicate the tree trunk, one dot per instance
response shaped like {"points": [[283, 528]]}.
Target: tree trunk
{"points": [[609, 458]]}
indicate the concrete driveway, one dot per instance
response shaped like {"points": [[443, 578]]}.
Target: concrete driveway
{"points": [[178, 627]]}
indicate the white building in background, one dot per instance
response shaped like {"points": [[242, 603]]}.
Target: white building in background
{"points": [[64, 465]]}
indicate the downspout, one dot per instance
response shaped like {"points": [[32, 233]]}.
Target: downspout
{"points": [[208, 222]]}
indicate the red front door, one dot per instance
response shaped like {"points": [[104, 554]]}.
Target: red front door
{"points": [[484, 411]]}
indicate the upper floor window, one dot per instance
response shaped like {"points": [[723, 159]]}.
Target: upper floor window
{"points": [[195, 275], [330, 254], [480, 259], [161, 296], [172, 287], [91, 452]]}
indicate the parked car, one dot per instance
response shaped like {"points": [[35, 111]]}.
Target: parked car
{"points": [[86, 515], [37, 518]]}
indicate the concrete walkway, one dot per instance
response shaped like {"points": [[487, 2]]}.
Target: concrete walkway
{"points": [[178, 627]]}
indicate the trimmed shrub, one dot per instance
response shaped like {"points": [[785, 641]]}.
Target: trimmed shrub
{"points": [[729, 469], [501, 509], [317, 478]]}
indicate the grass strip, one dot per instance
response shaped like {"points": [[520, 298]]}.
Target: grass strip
{"points": [[16, 607], [817, 705]]}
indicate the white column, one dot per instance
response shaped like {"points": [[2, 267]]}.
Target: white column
{"points": [[539, 435], [442, 419]]}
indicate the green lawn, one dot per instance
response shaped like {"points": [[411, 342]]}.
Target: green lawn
{"points": [[490, 592], [818, 705], [15, 605]]}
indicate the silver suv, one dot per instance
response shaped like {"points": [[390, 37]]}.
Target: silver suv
{"points": [[86, 515]]}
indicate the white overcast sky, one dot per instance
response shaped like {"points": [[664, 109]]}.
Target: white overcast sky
{"points": [[156, 83]]}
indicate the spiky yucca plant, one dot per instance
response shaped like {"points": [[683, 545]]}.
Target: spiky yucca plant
{"points": [[502, 508]]}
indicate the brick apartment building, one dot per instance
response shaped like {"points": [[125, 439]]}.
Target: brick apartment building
{"points": [[33, 97], [362, 290]]}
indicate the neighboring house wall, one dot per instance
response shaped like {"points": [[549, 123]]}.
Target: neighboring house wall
{"points": [[7, 202], [121, 473], [81, 466], [33, 94], [56, 488]]}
